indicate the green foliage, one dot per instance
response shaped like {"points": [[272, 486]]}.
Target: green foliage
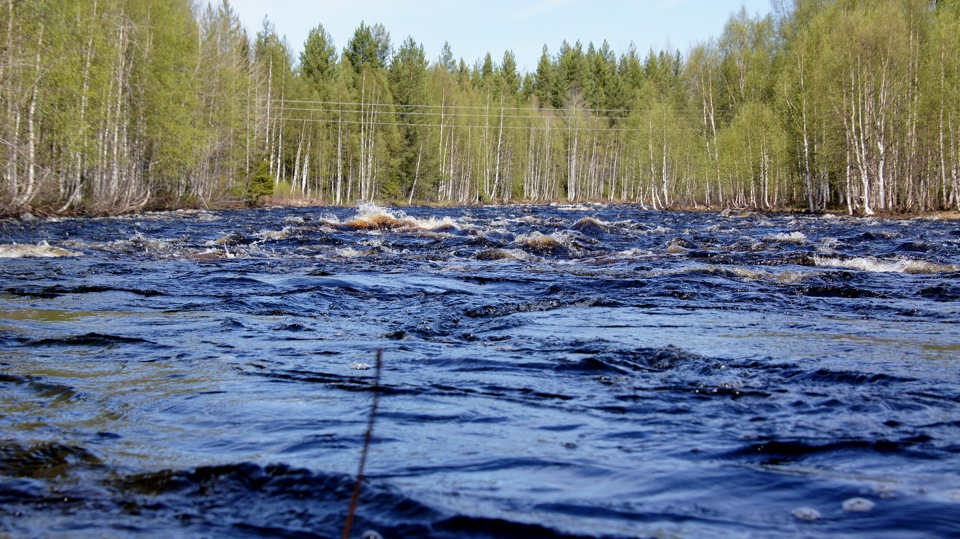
{"points": [[446, 60], [408, 74], [369, 47], [224, 63], [544, 80], [319, 57], [509, 77], [572, 74], [117, 105], [259, 184], [482, 75], [630, 72]]}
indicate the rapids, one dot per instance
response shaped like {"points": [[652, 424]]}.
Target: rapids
{"points": [[549, 371]]}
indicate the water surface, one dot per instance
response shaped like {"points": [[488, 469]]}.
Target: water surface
{"points": [[549, 371]]}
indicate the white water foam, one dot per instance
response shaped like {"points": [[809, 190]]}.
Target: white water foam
{"points": [[41, 250], [874, 265], [792, 237], [540, 241], [282, 234], [372, 216]]}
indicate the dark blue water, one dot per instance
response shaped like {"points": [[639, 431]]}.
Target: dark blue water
{"points": [[596, 371]]}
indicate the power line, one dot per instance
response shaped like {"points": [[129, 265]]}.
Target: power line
{"points": [[455, 116], [410, 113], [367, 105], [580, 128]]}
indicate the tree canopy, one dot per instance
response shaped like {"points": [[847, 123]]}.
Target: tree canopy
{"points": [[121, 105]]}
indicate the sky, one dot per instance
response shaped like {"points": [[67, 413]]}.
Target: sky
{"points": [[475, 27]]}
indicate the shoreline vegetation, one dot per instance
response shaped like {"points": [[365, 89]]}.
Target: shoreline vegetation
{"points": [[122, 106]]}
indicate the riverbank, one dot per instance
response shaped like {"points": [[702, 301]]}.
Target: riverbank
{"points": [[299, 202]]}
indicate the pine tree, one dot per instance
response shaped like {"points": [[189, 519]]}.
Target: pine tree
{"points": [[408, 73], [319, 57], [544, 82], [368, 48]]}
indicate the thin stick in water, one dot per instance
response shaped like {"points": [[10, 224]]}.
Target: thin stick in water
{"points": [[366, 446]]}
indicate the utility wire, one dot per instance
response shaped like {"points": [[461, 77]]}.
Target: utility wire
{"points": [[444, 106], [582, 127]]}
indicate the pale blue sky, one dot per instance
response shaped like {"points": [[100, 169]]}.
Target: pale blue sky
{"points": [[474, 28]]}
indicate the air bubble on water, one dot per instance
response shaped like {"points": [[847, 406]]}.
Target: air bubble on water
{"points": [[806, 513], [370, 534], [884, 491], [858, 505]]}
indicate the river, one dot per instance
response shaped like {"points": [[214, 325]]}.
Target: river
{"points": [[548, 371]]}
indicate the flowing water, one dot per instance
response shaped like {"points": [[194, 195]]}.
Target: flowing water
{"points": [[549, 371]]}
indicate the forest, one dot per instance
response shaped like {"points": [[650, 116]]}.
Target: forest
{"points": [[113, 106]]}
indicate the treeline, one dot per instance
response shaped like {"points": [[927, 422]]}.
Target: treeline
{"points": [[123, 105]]}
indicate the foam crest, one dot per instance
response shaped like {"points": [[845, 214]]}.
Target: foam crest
{"points": [[41, 250], [572, 207], [735, 272], [871, 264], [782, 277], [350, 252], [502, 254], [372, 217], [541, 243], [792, 237], [275, 235], [591, 225], [145, 244]]}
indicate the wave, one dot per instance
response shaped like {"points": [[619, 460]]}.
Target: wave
{"points": [[785, 277], [502, 254], [229, 500], [784, 237], [874, 265], [622, 362], [89, 339], [39, 387], [41, 250], [591, 226], [540, 243], [350, 252], [57, 291], [775, 451], [371, 217], [574, 207], [43, 460]]}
